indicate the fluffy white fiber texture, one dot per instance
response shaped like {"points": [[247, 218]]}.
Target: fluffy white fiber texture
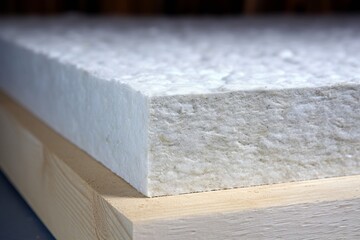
{"points": [[185, 105]]}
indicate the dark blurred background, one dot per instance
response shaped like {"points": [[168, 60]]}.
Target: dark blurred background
{"points": [[178, 7]]}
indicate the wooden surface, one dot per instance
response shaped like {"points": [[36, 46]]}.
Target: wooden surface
{"points": [[77, 198]]}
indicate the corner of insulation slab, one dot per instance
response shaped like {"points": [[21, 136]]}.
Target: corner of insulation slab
{"points": [[146, 180]]}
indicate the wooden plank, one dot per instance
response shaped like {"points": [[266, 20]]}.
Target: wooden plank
{"points": [[48, 172], [77, 198]]}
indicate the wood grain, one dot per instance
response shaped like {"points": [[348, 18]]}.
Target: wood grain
{"points": [[67, 201], [78, 198]]}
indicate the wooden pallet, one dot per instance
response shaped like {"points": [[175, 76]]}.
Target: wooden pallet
{"points": [[77, 198]]}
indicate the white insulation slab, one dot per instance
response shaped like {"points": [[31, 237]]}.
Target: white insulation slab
{"points": [[186, 105]]}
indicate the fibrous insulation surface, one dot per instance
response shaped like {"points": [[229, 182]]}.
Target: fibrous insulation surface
{"points": [[183, 105]]}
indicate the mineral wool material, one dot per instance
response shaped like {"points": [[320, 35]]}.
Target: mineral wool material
{"points": [[186, 105]]}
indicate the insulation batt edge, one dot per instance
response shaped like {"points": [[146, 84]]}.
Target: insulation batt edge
{"points": [[193, 114], [85, 109]]}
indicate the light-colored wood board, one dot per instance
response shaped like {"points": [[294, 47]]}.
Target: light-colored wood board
{"points": [[78, 198], [65, 201], [324, 220]]}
